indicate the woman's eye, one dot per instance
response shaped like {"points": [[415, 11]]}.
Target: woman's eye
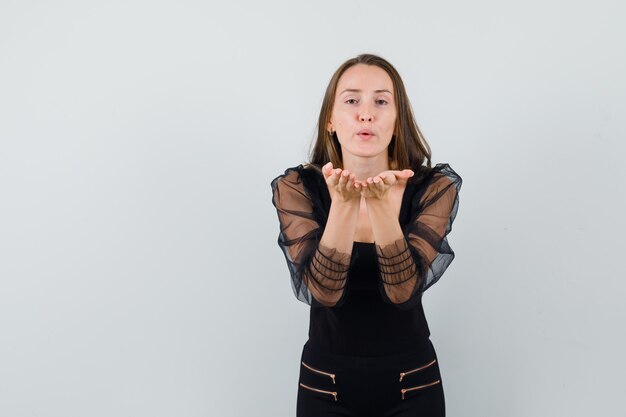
{"points": [[354, 101]]}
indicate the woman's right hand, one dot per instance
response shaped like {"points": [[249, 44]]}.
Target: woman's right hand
{"points": [[342, 184]]}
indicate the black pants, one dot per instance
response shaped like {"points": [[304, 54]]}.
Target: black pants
{"points": [[402, 385]]}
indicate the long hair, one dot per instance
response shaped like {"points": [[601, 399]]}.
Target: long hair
{"points": [[408, 147]]}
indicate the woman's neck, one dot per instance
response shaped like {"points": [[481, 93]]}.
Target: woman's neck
{"points": [[364, 167]]}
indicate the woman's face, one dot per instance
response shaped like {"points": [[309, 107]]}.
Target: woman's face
{"points": [[364, 101]]}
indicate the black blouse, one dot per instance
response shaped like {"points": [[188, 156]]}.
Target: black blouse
{"points": [[379, 311]]}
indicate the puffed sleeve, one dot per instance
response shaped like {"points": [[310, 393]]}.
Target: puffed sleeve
{"points": [[411, 265], [318, 273]]}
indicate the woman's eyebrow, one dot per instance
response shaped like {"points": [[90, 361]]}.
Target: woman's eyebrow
{"points": [[355, 90]]}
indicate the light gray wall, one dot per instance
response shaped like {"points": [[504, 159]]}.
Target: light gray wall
{"points": [[139, 270]]}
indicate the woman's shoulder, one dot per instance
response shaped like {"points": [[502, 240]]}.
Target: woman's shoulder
{"points": [[440, 172], [429, 182], [304, 184], [302, 175], [444, 172]]}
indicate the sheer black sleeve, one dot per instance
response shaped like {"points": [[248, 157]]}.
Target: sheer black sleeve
{"points": [[317, 272], [411, 265]]}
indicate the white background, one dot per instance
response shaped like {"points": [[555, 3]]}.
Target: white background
{"points": [[139, 270]]}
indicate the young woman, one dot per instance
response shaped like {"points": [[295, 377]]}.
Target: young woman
{"points": [[363, 229]]}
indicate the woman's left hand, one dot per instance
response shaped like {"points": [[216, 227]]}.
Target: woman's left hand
{"points": [[377, 187]]}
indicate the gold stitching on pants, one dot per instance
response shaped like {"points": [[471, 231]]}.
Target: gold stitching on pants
{"points": [[332, 376], [403, 374], [405, 390], [333, 393]]}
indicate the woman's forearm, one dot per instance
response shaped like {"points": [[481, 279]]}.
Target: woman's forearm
{"points": [[385, 226], [397, 268], [329, 265], [341, 225]]}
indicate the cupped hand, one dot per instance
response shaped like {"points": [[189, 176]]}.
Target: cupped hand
{"points": [[378, 186], [342, 184]]}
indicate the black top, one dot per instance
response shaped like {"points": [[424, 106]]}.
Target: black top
{"points": [[368, 302]]}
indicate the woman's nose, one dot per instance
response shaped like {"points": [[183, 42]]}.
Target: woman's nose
{"points": [[365, 112]]}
